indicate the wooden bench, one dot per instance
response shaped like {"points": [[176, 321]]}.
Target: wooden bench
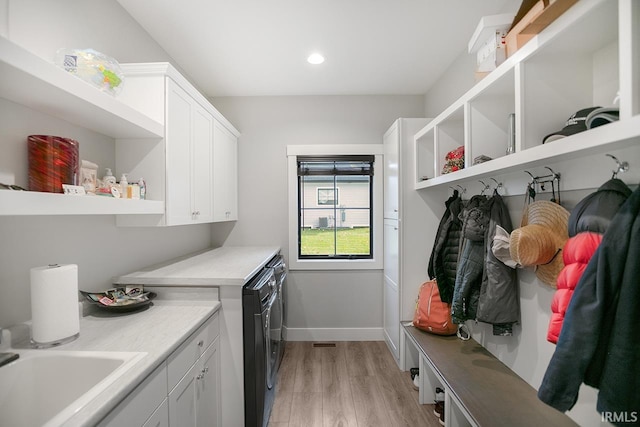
{"points": [[480, 390]]}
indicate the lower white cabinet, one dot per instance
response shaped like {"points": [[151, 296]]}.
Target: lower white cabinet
{"points": [[143, 403], [160, 418], [194, 401], [183, 391]]}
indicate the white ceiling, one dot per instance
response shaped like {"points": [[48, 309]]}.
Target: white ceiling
{"points": [[259, 47]]}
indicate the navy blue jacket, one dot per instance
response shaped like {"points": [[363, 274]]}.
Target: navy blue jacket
{"points": [[600, 339]]}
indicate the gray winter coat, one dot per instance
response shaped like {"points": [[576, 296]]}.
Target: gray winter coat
{"points": [[486, 290], [475, 220], [499, 302]]}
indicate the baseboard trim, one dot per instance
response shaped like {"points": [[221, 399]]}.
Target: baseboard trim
{"points": [[333, 334]]}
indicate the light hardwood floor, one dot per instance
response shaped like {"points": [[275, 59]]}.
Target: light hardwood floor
{"points": [[353, 384]]}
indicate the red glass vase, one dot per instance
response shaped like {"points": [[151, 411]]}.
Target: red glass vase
{"points": [[53, 161]]}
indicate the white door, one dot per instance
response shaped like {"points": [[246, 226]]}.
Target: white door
{"points": [[160, 418], [391, 173], [202, 164], [183, 400], [178, 140], [225, 174], [209, 388], [391, 295]]}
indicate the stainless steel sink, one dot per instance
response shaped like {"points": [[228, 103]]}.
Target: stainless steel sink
{"points": [[46, 387]]}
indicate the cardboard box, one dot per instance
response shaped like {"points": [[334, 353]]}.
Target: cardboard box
{"points": [[515, 39], [541, 14]]}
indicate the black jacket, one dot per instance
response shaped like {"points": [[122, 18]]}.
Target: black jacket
{"points": [[600, 339], [444, 256], [595, 212]]}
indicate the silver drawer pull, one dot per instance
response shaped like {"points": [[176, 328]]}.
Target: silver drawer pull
{"points": [[206, 369], [200, 376], [200, 343]]}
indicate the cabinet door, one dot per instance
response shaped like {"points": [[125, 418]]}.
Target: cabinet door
{"points": [[391, 174], [208, 407], [178, 143], [183, 400], [391, 295], [391, 250], [202, 179], [160, 417], [225, 174], [391, 318]]}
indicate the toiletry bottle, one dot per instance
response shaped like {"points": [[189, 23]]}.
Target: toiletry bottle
{"points": [[109, 180], [124, 186], [143, 189]]}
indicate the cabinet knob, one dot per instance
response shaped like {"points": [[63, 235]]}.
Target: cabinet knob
{"points": [[206, 369], [395, 210], [200, 376], [200, 343]]}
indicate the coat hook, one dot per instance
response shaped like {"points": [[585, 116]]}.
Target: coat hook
{"points": [[621, 167], [486, 187], [498, 184], [533, 178], [555, 175]]}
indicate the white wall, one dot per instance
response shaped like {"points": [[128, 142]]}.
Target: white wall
{"points": [[318, 301], [100, 249]]}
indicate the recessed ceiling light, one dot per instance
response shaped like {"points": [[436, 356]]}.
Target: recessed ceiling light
{"points": [[315, 59]]}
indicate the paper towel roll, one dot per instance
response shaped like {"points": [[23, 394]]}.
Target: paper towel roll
{"points": [[54, 304]]}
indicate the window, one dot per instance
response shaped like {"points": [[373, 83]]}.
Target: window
{"points": [[327, 196], [327, 229], [335, 207]]}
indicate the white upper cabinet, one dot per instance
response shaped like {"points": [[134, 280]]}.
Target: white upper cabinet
{"points": [[582, 59], [391, 183], [194, 168], [189, 160], [225, 174]]}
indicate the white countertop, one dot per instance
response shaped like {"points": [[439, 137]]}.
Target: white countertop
{"points": [[157, 331], [225, 266]]}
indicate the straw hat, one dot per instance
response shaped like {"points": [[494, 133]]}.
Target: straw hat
{"points": [[540, 239]]}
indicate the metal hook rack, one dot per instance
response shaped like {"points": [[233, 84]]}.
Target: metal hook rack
{"points": [[621, 166], [553, 178]]}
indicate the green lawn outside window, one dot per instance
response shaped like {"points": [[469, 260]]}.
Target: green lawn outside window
{"points": [[350, 241]]}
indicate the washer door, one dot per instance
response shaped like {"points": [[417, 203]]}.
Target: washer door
{"points": [[273, 335]]}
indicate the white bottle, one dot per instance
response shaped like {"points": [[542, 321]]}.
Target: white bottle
{"points": [[143, 189], [108, 179], [123, 185]]}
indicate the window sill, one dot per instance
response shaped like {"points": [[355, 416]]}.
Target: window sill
{"points": [[346, 264]]}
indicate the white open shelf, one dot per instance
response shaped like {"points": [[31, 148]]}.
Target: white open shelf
{"points": [[580, 60], [36, 203], [30, 81], [35, 83]]}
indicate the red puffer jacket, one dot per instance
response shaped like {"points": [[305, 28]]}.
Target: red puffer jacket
{"points": [[576, 254], [588, 221]]}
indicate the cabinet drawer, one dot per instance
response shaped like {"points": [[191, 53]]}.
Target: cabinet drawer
{"points": [[141, 403], [186, 355]]}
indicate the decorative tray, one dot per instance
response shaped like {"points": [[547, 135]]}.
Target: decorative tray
{"points": [[120, 299]]}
